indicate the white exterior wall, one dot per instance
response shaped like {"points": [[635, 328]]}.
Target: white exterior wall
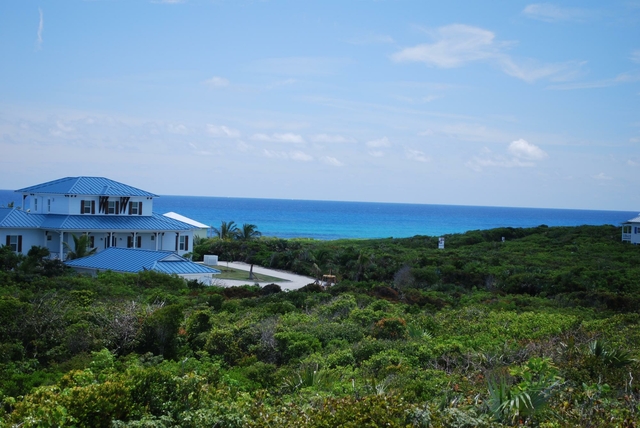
{"points": [[167, 241], [70, 204], [634, 236], [30, 237]]}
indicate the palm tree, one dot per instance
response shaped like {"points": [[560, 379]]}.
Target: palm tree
{"points": [[227, 230], [248, 232], [82, 245]]}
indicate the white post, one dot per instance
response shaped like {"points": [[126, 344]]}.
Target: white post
{"points": [[134, 239], [61, 246], [157, 237]]}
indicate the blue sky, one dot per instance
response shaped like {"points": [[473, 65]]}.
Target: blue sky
{"points": [[504, 103]]}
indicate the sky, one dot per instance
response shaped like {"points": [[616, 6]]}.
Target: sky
{"points": [[501, 103]]}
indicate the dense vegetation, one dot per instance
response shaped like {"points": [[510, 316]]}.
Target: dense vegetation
{"points": [[542, 329]]}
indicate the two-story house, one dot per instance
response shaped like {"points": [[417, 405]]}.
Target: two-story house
{"points": [[112, 214]]}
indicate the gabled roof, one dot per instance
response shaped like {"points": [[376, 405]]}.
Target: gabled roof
{"points": [[134, 260], [14, 218], [86, 186], [634, 220], [187, 220]]}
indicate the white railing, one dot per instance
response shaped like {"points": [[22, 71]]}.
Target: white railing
{"points": [[626, 237], [56, 256]]}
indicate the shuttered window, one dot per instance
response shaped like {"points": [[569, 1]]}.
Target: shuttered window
{"points": [[14, 242], [184, 243]]}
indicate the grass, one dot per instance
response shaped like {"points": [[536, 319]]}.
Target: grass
{"points": [[243, 275]]}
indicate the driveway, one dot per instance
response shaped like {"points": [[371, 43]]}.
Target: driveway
{"points": [[291, 281]]}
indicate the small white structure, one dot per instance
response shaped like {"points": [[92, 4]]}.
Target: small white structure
{"points": [[211, 260], [631, 231], [201, 230]]}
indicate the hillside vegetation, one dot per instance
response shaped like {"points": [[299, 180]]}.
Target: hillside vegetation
{"points": [[542, 329]]}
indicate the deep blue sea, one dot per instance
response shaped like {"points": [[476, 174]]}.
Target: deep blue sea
{"points": [[334, 220]]}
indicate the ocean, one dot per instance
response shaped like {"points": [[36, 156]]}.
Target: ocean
{"points": [[335, 220]]}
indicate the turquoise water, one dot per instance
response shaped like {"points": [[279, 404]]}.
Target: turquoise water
{"points": [[334, 220]]}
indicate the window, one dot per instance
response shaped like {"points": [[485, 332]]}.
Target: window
{"points": [[626, 229], [49, 205], [35, 204], [86, 207], [135, 208], [15, 242], [130, 241], [92, 242], [111, 208], [184, 243]]}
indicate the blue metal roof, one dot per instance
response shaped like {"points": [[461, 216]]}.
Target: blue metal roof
{"points": [[135, 260], [14, 218], [86, 186]]}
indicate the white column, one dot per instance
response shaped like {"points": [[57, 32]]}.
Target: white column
{"points": [[157, 237], [134, 239], [61, 246]]}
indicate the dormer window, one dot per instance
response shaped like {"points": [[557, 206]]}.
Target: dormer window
{"points": [[35, 204], [86, 207], [111, 208], [135, 208]]}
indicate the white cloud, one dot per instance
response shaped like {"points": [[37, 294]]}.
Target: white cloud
{"points": [[329, 160], [605, 83], [457, 45], [300, 156], [177, 129], [635, 56], [222, 131], [382, 142], [632, 163], [40, 29], [522, 155], [325, 138], [287, 137], [217, 82], [244, 147], [61, 129], [294, 155], [551, 13], [602, 176], [376, 153], [417, 155], [525, 150], [477, 163]]}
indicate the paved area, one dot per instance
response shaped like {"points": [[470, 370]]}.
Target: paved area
{"points": [[291, 281]]}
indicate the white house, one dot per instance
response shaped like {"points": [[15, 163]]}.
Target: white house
{"points": [[631, 231], [112, 214]]}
